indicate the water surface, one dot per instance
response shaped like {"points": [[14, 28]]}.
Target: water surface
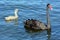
{"points": [[28, 9]]}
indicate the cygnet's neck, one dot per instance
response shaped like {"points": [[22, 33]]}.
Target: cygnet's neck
{"points": [[16, 11]]}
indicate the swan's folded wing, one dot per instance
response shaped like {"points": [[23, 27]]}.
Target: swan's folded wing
{"points": [[40, 25]]}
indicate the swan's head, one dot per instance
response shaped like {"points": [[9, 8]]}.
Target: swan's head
{"points": [[49, 6], [16, 9]]}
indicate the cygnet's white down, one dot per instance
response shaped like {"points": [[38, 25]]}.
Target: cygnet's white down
{"points": [[12, 17]]}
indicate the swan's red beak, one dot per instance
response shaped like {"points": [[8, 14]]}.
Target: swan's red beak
{"points": [[50, 7]]}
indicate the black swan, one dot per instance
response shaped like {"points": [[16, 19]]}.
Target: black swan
{"points": [[38, 25]]}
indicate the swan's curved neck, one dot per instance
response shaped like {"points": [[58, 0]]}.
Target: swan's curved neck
{"points": [[16, 11], [48, 18]]}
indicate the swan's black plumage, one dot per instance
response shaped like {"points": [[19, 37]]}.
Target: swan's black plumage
{"points": [[36, 24]]}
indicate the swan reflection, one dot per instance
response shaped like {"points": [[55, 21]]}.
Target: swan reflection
{"points": [[14, 21], [48, 32]]}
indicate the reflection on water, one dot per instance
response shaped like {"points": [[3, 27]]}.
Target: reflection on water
{"points": [[15, 21], [40, 31], [49, 34]]}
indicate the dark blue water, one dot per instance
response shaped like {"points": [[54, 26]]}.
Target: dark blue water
{"points": [[36, 9]]}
